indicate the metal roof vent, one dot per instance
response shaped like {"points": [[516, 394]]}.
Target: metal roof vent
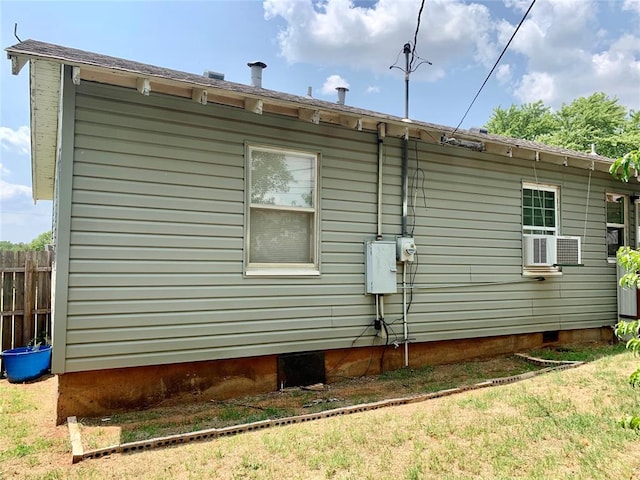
{"points": [[213, 75], [256, 73], [342, 92]]}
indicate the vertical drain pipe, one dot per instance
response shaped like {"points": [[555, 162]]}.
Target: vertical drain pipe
{"points": [[405, 142], [405, 174], [381, 135]]}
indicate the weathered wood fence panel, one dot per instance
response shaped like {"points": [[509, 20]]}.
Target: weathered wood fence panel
{"points": [[25, 297]]}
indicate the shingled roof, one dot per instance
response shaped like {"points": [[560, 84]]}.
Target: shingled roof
{"points": [[94, 66]]}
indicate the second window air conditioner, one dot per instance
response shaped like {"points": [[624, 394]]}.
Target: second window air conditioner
{"points": [[551, 251]]}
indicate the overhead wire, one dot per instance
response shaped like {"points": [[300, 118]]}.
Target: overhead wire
{"points": [[415, 37], [495, 65]]}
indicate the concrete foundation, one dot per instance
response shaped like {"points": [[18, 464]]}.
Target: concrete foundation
{"points": [[104, 392]]}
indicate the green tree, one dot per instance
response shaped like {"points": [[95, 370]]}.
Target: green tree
{"points": [[596, 119], [6, 245], [529, 121], [591, 120], [626, 166], [37, 244], [630, 134], [41, 241]]}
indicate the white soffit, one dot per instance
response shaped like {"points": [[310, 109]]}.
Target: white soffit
{"points": [[45, 103]]}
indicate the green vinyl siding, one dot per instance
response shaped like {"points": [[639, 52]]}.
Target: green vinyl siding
{"points": [[155, 269]]}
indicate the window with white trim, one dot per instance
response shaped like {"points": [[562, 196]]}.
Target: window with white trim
{"points": [[616, 223], [540, 227], [282, 224], [539, 209]]}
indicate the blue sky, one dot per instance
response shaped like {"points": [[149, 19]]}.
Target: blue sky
{"points": [[565, 49]]}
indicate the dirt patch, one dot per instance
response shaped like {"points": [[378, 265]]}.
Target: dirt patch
{"points": [[170, 418]]}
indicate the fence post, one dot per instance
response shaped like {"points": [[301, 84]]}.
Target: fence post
{"points": [[29, 297]]}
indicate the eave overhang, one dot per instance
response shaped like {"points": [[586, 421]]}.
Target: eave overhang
{"points": [[44, 89], [87, 66]]}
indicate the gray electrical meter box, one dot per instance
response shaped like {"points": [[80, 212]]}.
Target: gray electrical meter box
{"points": [[380, 267]]}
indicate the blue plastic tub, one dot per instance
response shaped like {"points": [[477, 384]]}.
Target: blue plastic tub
{"points": [[24, 363]]}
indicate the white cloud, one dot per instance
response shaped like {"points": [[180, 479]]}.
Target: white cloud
{"points": [[566, 60], [332, 82], [536, 86], [521, 5], [564, 49], [16, 140], [337, 33], [373, 89], [4, 170], [549, 44], [633, 5], [503, 73], [12, 190]]}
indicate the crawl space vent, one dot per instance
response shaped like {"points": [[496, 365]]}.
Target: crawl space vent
{"points": [[301, 369]]}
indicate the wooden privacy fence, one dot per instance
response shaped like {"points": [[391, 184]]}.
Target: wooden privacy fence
{"points": [[25, 297]]}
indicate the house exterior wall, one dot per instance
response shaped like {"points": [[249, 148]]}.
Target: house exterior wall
{"points": [[155, 270]]}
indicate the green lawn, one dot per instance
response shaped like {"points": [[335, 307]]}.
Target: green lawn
{"points": [[560, 425]]}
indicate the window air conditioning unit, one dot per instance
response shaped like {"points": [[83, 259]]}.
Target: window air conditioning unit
{"points": [[539, 250], [568, 251], [551, 250]]}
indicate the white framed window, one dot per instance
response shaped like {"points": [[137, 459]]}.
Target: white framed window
{"points": [[540, 227], [617, 231], [282, 215], [540, 209]]}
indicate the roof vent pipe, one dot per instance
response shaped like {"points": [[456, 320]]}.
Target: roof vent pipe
{"points": [[342, 92], [256, 73], [309, 92]]}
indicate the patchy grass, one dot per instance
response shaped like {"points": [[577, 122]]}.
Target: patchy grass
{"points": [[28, 443], [579, 353], [441, 377], [165, 421], [172, 420], [555, 426], [16, 434]]}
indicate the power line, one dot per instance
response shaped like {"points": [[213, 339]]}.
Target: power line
{"points": [[495, 65], [415, 37]]}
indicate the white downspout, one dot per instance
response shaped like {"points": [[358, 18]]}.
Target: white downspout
{"points": [[381, 135]]}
